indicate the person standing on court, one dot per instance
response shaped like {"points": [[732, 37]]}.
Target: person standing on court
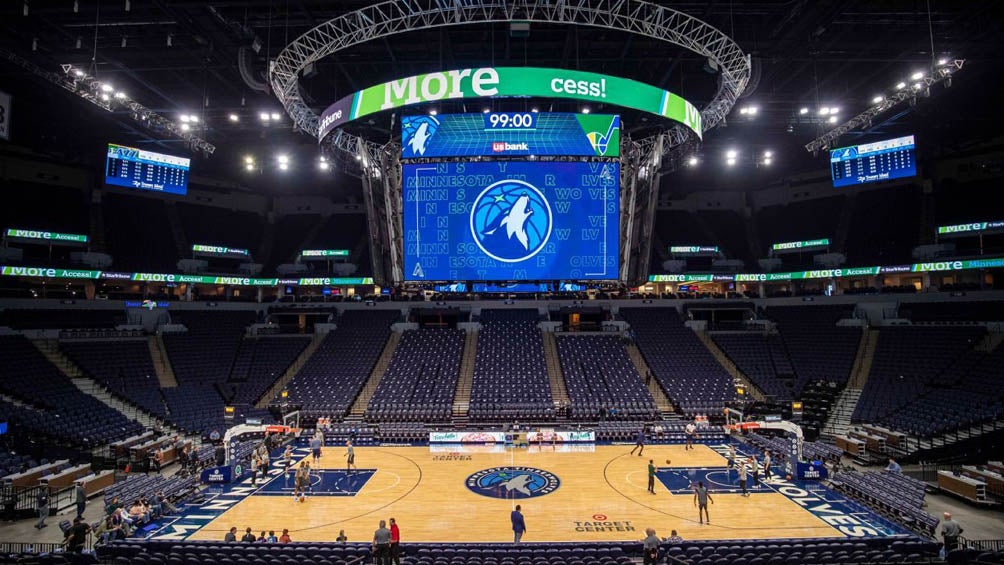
{"points": [[766, 466], [639, 442], [742, 478], [518, 525], [701, 498], [381, 544], [732, 459], [395, 542], [315, 448], [651, 476], [691, 429], [754, 470], [350, 455], [650, 547]]}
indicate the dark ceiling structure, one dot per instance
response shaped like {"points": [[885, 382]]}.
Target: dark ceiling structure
{"points": [[209, 58]]}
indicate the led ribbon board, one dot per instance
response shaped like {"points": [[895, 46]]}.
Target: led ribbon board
{"points": [[791, 246], [973, 228], [324, 253], [48, 237], [692, 249], [220, 251], [495, 82], [510, 133]]}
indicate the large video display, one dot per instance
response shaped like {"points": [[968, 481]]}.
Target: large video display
{"points": [[510, 134], [870, 162], [511, 221]]}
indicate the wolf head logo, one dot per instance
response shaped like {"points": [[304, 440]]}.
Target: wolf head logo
{"points": [[511, 221]]}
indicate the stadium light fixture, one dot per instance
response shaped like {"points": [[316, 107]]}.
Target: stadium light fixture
{"points": [[120, 95], [283, 159], [917, 86], [105, 97], [731, 154], [433, 112], [917, 75], [835, 110], [249, 167], [283, 166], [248, 159], [900, 85], [825, 110], [534, 110], [194, 118], [323, 165], [185, 127], [234, 118], [486, 110], [275, 116], [184, 118], [942, 61], [878, 99], [832, 120], [264, 116], [730, 162], [78, 72], [768, 154], [107, 87], [803, 111], [585, 110], [692, 161]]}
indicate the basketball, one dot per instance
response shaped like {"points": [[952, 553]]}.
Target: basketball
{"points": [[667, 462]]}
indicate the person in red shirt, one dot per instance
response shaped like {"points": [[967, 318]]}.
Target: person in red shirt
{"points": [[284, 538], [395, 542]]}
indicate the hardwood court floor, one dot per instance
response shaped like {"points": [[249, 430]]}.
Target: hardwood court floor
{"points": [[431, 502]]}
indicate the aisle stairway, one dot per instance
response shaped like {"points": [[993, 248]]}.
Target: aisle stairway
{"points": [[462, 396], [554, 373], [729, 366], [359, 406], [661, 400], [161, 362], [291, 371]]}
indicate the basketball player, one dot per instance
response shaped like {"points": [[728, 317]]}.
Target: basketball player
{"points": [[732, 460], [651, 476], [766, 467], [754, 470], [701, 498], [742, 478], [300, 482], [690, 429], [639, 442], [288, 457], [350, 455]]}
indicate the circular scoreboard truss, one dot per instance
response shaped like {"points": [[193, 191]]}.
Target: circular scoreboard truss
{"points": [[401, 16]]}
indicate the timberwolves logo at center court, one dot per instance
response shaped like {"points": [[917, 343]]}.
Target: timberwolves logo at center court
{"points": [[511, 221], [513, 482]]}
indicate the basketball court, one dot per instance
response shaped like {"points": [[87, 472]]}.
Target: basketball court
{"points": [[567, 493]]}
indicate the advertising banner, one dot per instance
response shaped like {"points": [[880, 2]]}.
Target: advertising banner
{"points": [[49, 237], [495, 82]]}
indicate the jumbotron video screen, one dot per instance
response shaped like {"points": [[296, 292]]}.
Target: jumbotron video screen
{"points": [[515, 220]]}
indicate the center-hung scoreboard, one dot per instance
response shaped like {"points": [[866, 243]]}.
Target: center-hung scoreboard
{"points": [[513, 219]]}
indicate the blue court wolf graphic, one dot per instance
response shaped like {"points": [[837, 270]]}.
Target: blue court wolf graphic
{"points": [[511, 221], [417, 131], [513, 482]]}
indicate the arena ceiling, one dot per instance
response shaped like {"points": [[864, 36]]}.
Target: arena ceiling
{"points": [[181, 57]]}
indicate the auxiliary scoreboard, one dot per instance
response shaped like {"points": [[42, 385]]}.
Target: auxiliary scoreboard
{"points": [[145, 170], [870, 162]]}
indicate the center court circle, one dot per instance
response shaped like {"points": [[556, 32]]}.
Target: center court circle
{"points": [[513, 482]]}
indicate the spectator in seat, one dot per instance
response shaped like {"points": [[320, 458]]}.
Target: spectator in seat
{"points": [[262, 538], [893, 466], [108, 530], [673, 537], [231, 536], [650, 547], [284, 538], [342, 538], [271, 537], [248, 537]]}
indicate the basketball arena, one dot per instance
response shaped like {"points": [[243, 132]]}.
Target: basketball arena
{"points": [[501, 282]]}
